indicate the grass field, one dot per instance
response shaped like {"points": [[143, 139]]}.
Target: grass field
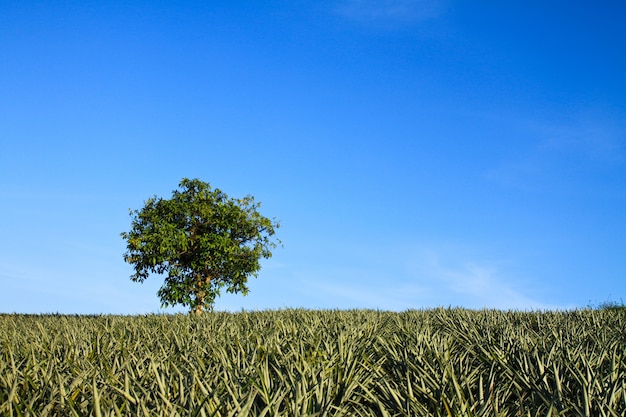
{"points": [[440, 362]]}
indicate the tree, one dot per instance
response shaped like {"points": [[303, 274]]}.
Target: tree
{"points": [[203, 240]]}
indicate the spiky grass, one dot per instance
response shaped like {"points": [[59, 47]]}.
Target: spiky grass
{"points": [[442, 362]]}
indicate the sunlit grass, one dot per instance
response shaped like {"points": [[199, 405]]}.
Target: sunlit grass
{"points": [[439, 362]]}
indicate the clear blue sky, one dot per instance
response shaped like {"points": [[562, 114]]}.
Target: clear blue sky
{"points": [[417, 153]]}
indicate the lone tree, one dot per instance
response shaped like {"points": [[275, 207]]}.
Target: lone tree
{"points": [[202, 239]]}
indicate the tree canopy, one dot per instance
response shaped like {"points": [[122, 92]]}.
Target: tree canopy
{"points": [[202, 240]]}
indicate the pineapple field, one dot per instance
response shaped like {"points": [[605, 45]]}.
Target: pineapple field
{"points": [[438, 362]]}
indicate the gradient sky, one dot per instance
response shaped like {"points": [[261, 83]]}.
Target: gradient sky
{"points": [[417, 153]]}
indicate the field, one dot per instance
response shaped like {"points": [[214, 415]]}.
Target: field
{"points": [[440, 362]]}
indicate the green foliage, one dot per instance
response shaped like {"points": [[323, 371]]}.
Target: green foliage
{"points": [[202, 240], [443, 362]]}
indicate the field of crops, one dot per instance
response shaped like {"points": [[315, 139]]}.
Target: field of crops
{"points": [[441, 362]]}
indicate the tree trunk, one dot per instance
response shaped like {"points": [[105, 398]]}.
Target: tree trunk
{"points": [[198, 310], [200, 293]]}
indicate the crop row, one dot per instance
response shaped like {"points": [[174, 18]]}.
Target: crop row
{"points": [[440, 362]]}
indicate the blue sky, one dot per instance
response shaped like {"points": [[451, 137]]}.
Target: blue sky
{"points": [[417, 153]]}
